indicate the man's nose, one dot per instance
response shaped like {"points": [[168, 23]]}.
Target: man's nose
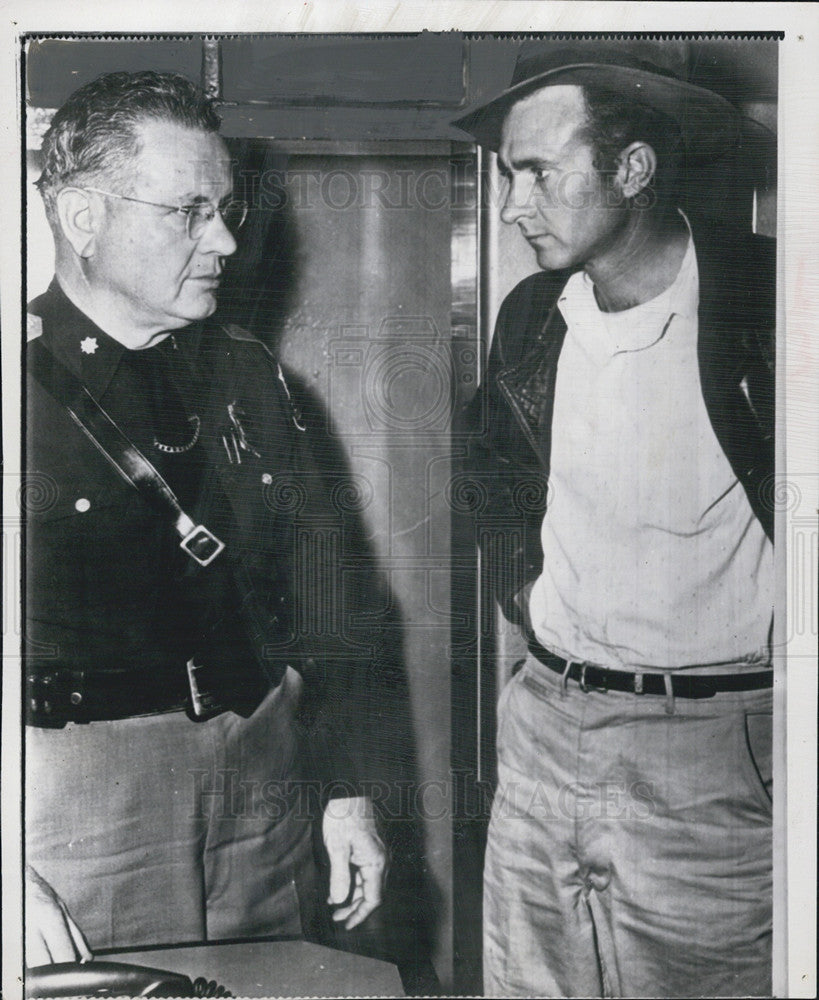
{"points": [[217, 238], [517, 203]]}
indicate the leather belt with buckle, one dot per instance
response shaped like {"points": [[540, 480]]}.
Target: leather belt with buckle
{"points": [[591, 677], [58, 695], [202, 545]]}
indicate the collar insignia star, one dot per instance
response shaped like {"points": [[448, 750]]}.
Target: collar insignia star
{"points": [[89, 345], [34, 327]]}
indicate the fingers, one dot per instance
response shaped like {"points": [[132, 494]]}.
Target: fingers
{"points": [[339, 873], [51, 935], [343, 912], [352, 842], [78, 938], [369, 859], [369, 880], [49, 939]]}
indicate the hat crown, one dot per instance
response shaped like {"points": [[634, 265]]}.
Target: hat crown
{"points": [[668, 59], [655, 74]]}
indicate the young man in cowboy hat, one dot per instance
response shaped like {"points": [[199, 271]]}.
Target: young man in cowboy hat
{"points": [[629, 849]]}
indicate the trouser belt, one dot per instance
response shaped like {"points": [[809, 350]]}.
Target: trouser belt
{"points": [[61, 694], [591, 677]]}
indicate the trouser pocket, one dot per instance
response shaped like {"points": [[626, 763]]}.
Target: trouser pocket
{"points": [[758, 759]]}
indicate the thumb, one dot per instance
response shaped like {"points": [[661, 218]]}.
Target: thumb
{"points": [[339, 874], [78, 938]]}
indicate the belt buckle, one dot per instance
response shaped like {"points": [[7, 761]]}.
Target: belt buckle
{"points": [[201, 545], [585, 687], [202, 705], [52, 696]]}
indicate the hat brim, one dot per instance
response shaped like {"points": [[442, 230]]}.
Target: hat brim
{"points": [[709, 124]]}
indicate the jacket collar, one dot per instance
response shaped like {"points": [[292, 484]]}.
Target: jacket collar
{"points": [[529, 385], [732, 309]]}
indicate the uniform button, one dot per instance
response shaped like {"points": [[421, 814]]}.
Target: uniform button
{"points": [[82, 505], [310, 661], [267, 479], [75, 697]]}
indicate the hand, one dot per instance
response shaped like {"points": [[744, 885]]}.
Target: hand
{"points": [[51, 934], [351, 838]]}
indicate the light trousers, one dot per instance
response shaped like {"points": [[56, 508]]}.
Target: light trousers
{"points": [[630, 844], [158, 829]]}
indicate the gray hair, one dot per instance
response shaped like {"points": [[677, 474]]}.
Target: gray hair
{"points": [[94, 134]]}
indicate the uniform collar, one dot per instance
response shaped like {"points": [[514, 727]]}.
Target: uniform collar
{"points": [[77, 341]]}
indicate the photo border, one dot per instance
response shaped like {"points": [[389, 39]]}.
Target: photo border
{"points": [[798, 296]]}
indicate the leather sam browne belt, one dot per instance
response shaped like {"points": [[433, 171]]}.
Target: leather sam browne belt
{"points": [[590, 677], [126, 459]]}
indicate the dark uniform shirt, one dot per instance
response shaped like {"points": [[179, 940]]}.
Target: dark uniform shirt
{"points": [[109, 588], [112, 603]]}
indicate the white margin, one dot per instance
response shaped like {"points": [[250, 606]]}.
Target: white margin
{"points": [[799, 300]]}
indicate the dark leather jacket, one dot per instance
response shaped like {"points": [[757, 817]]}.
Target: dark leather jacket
{"points": [[513, 413]]}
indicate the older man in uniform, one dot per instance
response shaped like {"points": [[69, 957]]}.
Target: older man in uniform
{"points": [[629, 848], [166, 684]]}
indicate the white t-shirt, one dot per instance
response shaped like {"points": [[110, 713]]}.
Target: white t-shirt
{"points": [[652, 553]]}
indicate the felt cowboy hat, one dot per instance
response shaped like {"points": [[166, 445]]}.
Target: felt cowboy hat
{"points": [[652, 74]]}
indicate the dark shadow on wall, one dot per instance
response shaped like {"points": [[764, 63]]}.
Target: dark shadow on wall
{"points": [[402, 930], [259, 290], [261, 280]]}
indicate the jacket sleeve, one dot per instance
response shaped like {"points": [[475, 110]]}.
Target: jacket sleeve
{"points": [[736, 355], [506, 479]]}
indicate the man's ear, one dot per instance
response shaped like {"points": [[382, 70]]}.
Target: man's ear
{"points": [[638, 163], [79, 219]]}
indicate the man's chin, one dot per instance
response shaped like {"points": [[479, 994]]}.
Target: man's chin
{"points": [[199, 308], [550, 259]]}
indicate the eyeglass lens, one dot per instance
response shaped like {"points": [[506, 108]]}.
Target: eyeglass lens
{"points": [[233, 215]]}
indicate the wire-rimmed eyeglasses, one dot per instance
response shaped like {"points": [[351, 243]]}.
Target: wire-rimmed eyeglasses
{"points": [[197, 216]]}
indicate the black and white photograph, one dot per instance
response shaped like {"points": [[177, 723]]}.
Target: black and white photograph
{"points": [[410, 539]]}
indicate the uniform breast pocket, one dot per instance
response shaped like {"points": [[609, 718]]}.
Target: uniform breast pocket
{"points": [[48, 501], [92, 543]]}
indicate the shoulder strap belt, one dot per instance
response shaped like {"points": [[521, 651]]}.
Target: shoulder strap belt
{"points": [[68, 391]]}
